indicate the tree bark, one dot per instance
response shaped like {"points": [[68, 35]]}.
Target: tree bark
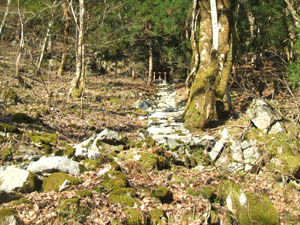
{"points": [[195, 56], [77, 85], [205, 104], [67, 18]]}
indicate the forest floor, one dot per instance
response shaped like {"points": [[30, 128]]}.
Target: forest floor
{"points": [[111, 102]]}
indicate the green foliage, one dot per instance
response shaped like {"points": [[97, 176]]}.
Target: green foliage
{"points": [[294, 67]]}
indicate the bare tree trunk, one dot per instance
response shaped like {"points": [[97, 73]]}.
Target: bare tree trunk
{"points": [[21, 48], [150, 63], [66, 39], [195, 57], [77, 84], [4, 17]]}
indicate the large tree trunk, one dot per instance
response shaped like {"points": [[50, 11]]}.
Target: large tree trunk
{"points": [[205, 104], [77, 85], [67, 18]]}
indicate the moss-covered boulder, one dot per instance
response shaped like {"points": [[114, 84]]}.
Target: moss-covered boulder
{"points": [[7, 128], [8, 216], [248, 208], [21, 118], [162, 193], [73, 208], [206, 192], [6, 154], [8, 96], [84, 193], [55, 180], [114, 180], [90, 164], [19, 180], [67, 152], [124, 196], [135, 217], [147, 160], [157, 217], [44, 140]]}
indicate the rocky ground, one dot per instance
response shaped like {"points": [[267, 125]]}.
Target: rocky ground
{"points": [[121, 155]]}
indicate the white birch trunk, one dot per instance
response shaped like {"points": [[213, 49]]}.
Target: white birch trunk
{"points": [[78, 81], [4, 17], [215, 26]]}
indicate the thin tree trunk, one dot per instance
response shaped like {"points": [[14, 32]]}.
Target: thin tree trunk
{"points": [[4, 17], [21, 48], [215, 26], [77, 85], [66, 39], [150, 63]]}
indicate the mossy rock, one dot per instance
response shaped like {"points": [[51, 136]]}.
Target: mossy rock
{"points": [[124, 196], [6, 154], [22, 118], [68, 152], [5, 213], [162, 193], [90, 164], [206, 192], [247, 208], [150, 161], [135, 217], [84, 193], [8, 96], [32, 183], [73, 208], [7, 128], [157, 217], [107, 148], [55, 180], [7, 197], [44, 138], [114, 179]]}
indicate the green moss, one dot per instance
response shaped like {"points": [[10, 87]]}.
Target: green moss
{"points": [[32, 183], [135, 217], [76, 92], [4, 127], [55, 180], [8, 96], [44, 138], [6, 212], [248, 209], [105, 147], [162, 193], [150, 161], [114, 179], [68, 152], [21, 201], [90, 164], [157, 217], [7, 197], [73, 208], [84, 193], [6, 154], [22, 118], [206, 192], [124, 196]]}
